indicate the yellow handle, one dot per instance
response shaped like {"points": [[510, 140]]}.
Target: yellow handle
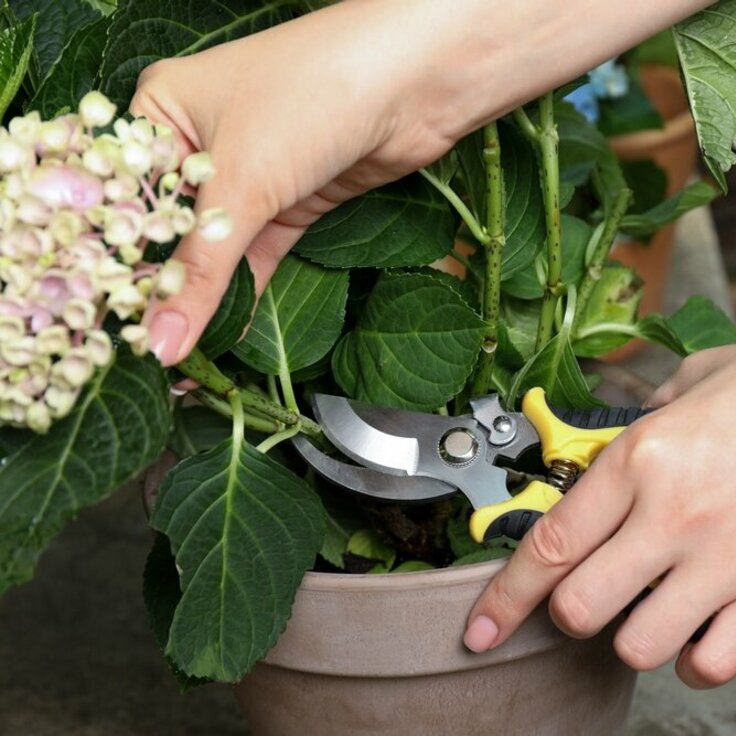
{"points": [[512, 518], [561, 441]]}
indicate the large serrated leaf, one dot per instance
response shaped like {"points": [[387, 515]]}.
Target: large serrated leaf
{"points": [[414, 346], [229, 321], [16, 45], [243, 529], [708, 59], [119, 426], [58, 22], [298, 319], [74, 74], [144, 31], [407, 223]]}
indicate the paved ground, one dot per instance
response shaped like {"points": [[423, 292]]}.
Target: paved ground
{"points": [[77, 659]]}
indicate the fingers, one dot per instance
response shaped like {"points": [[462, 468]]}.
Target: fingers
{"points": [[711, 661], [555, 545]]}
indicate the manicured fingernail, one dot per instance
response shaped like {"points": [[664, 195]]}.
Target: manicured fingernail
{"points": [[178, 391], [166, 333], [481, 633]]}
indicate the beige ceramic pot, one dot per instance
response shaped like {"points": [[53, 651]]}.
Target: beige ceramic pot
{"points": [[381, 655]]}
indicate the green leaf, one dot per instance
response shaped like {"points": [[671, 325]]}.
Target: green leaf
{"points": [[243, 529], [484, 555], [414, 346], [656, 329], [708, 60], [144, 31], [700, 324], [106, 7], [58, 22], [630, 112], [524, 217], [458, 535], [556, 369], [407, 223], [74, 74], [576, 234], [366, 543], [197, 429], [647, 223], [614, 300], [298, 318], [16, 45], [119, 426], [647, 181], [228, 323], [659, 49], [343, 517], [161, 594]]}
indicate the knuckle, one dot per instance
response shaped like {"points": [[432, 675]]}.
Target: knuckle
{"points": [[547, 543], [646, 445], [636, 649], [202, 271], [499, 599], [572, 614]]}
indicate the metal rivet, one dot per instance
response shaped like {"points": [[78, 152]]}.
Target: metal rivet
{"points": [[503, 424], [458, 446]]}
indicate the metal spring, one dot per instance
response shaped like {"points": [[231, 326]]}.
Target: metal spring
{"points": [[563, 474]]}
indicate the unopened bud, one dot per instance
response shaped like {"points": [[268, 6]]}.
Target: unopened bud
{"points": [[95, 110], [170, 278], [13, 154], [215, 224], [99, 347], [126, 301], [137, 337], [136, 158], [38, 417], [158, 227], [197, 168], [53, 340], [79, 314]]}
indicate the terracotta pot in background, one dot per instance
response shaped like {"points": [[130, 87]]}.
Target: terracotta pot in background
{"points": [[382, 655], [675, 149]]}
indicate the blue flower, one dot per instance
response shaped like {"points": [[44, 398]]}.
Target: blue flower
{"points": [[609, 80], [585, 101]]}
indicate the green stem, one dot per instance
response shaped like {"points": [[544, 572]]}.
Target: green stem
{"points": [[452, 197], [547, 141], [621, 203], [287, 389], [491, 297], [205, 373], [526, 125], [273, 390], [223, 407], [270, 442], [604, 328], [238, 419]]}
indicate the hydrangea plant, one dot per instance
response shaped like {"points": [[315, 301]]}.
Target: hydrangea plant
{"points": [[90, 211]]}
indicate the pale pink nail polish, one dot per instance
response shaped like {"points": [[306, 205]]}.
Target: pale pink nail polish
{"points": [[167, 332], [481, 633]]}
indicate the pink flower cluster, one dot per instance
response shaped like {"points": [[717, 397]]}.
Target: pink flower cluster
{"points": [[76, 213]]}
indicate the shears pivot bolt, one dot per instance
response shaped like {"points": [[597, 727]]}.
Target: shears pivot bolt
{"points": [[458, 446]]}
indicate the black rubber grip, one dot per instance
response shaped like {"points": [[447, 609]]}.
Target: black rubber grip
{"points": [[514, 524], [599, 418]]}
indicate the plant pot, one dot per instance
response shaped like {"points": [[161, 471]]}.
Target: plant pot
{"points": [[383, 654], [675, 149]]}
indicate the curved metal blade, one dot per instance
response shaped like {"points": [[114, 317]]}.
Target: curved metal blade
{"points": [[371, 482]]}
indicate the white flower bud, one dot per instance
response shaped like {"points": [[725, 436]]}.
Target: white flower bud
{"points": [[60, 400], [75, 368], [53, 340], [66, 227], [7, 215], [145, 286], [111, 275], [157, 227], [32, 211], [126, 301], [142, 131], [136, 158], [19, 352], [168, 182], [95, 110], [19, 279], [170, 278], [11, 327], [102, 157], [99, 347], [123, 227], [137, 337], [26, 129], [123, 187], [183, 220], [38, 417], [79, 314], [131, 254], [215, 224], [13, 154], [197, 168], [55, 135]]}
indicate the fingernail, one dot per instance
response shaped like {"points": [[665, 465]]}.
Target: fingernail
{"points": [[166, 333], [178, 391], [481, 633]]}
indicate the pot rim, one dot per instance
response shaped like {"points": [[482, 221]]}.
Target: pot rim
{"points": [[445, 577]]}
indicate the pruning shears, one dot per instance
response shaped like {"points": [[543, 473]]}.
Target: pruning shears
{"points": [[406, 456]]}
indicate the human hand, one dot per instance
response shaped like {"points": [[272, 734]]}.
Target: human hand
{"points": [[657, 502]]}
